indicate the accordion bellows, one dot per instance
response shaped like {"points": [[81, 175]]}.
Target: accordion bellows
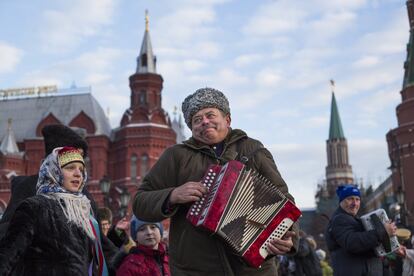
{"points": [[243, 208]]}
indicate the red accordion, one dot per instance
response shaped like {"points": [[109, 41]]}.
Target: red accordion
{"points": [[244, 209]]}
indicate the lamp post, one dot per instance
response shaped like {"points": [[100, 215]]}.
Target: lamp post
{"points": [[395, 212], [105, 185], [401, 201], [396, 165], [124, 200]]}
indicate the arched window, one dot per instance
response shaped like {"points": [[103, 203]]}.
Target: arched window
{"points": [[142, 97], [144, 60], [134, 168], [144, 165]]}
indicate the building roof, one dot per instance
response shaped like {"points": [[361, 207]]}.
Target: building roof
{"points": [[65, 105], [335, 128]]}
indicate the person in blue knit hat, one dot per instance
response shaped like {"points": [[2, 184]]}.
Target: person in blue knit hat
{"points": [[149, 256], [350, 245]]}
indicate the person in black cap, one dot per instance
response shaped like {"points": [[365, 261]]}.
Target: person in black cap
{"points": [[55, 231], [350, 245], [22, 187], [25, 186], [173, 184]]}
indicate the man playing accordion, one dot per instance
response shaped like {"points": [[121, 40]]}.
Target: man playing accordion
{"points": [[350, 245], [173, 184]]}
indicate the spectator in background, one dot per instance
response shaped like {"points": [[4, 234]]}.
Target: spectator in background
{"points": [[350, 245], [306, 261], [105, 216], [326, 268]]}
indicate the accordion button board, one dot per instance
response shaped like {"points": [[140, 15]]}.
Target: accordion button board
{"points": [[278, 233]]}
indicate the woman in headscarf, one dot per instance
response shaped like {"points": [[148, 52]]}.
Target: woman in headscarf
{"points": [[54, 232]]}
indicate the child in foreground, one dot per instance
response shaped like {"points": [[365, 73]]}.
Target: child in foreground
{"points": [[149, 256]]}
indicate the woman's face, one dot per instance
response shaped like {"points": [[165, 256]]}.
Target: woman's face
{"points": [[73, 176]]}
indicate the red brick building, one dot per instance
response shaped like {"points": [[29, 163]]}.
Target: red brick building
{"points": [[122, 155], [401, 139]]}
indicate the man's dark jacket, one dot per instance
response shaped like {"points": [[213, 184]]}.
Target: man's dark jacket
{"points": [[351, 247]]}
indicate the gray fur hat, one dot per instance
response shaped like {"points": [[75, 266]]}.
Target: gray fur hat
{"points": [[204, 98]]}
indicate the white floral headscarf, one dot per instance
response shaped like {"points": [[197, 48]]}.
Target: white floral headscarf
{"points": [[75, 205]]}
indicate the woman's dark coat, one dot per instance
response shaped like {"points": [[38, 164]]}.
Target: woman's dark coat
{"points": [[351, 247], [40, 235], [23, 187]]}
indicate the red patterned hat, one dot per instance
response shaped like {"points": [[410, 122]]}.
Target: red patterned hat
{"points": [[68, 155]]}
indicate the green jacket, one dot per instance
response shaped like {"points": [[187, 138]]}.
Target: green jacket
{"points": [[193, 251]]}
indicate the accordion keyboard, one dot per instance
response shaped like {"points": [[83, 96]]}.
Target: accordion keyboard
{"points": [[278, 233]]}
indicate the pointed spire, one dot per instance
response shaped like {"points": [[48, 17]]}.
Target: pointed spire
{"points": [[8, 144], [146, 61], [335, 128]]}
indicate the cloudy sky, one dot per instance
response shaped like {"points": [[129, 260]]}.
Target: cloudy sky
{"points": [[272, 58]]}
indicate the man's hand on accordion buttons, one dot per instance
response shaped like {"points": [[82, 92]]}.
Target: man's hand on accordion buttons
{"points": [[281, 246], [188, 192]]}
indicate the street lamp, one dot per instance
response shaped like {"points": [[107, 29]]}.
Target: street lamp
{"points": [[124, 198], [400, 195], [105, 185], [396, 165], [395, 212]]}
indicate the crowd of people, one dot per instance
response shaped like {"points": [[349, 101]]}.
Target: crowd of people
{"points": [[53, 227]]}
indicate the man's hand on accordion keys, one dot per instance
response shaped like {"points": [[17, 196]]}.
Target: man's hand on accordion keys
{"points": [[188, 192], [281, 246]]}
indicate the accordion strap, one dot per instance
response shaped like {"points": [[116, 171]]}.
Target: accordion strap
{"points": [[236, 155], [245, 158]]}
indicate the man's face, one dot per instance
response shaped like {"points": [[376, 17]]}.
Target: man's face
{"points": [[351, 205], [210, 126]]}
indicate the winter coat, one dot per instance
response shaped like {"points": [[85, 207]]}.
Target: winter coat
{"points": [[306, 261], [40, 235], [23, 187], [143, 261], [351, 247], [193, 251]]}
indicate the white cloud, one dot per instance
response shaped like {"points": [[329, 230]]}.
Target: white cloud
{"points": [[247, 59], [316, 121], [301, 165], [89, 68], [366, 61], [372, 106], [275, 18], [65, 27], [10, 57], [268, 77], [369, 159], [389, 39]]}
